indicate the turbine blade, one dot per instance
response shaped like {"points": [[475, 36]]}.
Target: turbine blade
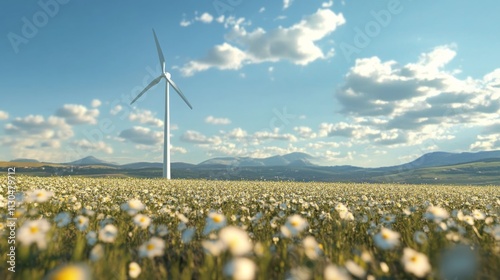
{"points": [[160, 53], [153, 83], [178, 91]]}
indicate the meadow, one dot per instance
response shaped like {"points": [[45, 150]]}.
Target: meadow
{"points": [[126, 228]]}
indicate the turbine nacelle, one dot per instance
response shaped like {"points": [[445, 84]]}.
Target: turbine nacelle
{"points": [[167, 75]]}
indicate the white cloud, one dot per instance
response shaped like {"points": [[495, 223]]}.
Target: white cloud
{"points": [[237, 133], [36, 137], [96, 103], [175, 149], [305, 132], [320, 145], [78, 114], [222, 57], [205, 18], [287, 4], [413, 103], [327, 4], [274, 135], [37, 127], [296, 44], [262, 9], [115, 110], [196, 137], [220, 19], [486, 142], [217, 121], [3, 115], [185, 23], [145, 117], [142, 135], [86, 146]]}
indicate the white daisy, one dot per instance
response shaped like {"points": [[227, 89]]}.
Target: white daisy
{"points": [[81, 222], [39, 196], [34, 232], [387, 239], [296, 224], [311, 247], [415, 263], [133, 206], [213, 222], [240, 269], [142, 221], [333, 272], [435, 213], [154, 247], [108, 233], [134, 270], [236, 240]]}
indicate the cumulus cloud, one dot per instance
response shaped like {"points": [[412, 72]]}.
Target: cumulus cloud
{"points": [[36, 126], [3, 115], [115, 110], [217, 121], [486, 142], [196, 137], [305, 132], [96, 103], [175, 149], [287, 4], [297, 44], [237, 133], [274, 135], [205, 18], [327, 4], [412, 103], [142, 135], [36, 137], [145, 117], [185, 23], [78, 114], [88, 146]]}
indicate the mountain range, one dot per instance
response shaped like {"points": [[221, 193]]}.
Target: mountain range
{"points": [[472, 168]]}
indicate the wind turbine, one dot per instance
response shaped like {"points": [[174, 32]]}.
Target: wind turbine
{"points": [[166, 129]]}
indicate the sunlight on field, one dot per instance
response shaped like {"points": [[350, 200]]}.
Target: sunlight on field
{"points": [[85, 228]]}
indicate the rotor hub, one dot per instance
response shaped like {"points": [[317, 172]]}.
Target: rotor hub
{"points": [[168, 75]]}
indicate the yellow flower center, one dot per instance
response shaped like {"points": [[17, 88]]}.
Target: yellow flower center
{"points": [[150, 247], [34, 230], [294, 223], [68, 273], [217, 218], [413, 259], [385, 236], [142, 219]]}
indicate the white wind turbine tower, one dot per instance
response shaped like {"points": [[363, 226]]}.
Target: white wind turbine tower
{"points": [[166, 130]]}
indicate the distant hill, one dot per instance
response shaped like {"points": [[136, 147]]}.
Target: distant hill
{"points": [[90, 160], [481, 168], [293, 159], [442, 158], [24, 160], [142, 165]]}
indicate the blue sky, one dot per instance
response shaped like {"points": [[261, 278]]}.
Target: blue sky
{"points": [[367, 83]]}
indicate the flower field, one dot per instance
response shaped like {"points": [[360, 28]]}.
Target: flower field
{"points": [[85, 228]]}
